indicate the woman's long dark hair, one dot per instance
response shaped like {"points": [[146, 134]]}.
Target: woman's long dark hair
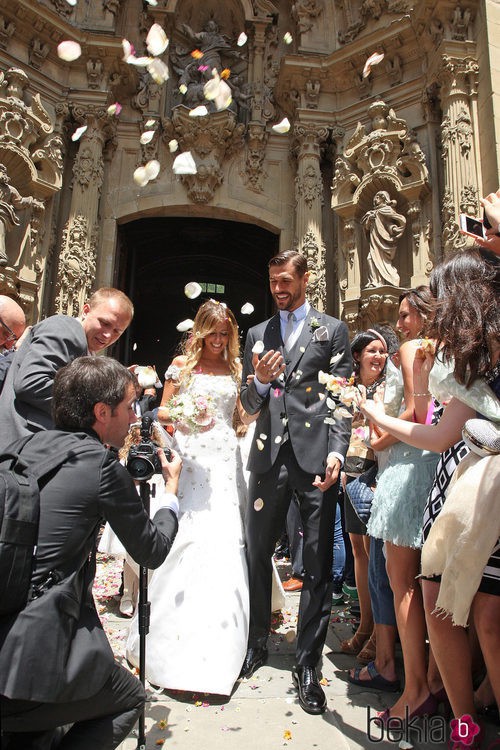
{"points": [[466, 321]]}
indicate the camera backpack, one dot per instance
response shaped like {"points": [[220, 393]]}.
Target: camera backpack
{"points": [[19, 515]]}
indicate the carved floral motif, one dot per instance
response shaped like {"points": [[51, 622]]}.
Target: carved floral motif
{"points": [[315, 253], [77, 265]]}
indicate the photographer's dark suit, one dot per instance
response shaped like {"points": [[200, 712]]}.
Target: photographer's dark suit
{"points": [[56, 665], [295, 444], [27, 392]]}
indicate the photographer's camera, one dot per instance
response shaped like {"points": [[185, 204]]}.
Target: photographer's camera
{"points": [[143, 460]]}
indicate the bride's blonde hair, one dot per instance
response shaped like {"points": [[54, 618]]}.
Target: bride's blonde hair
{"points": [[209, 315]]}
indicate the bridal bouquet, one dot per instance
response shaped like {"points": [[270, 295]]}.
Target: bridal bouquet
{"points": [[191, 413], [343, 391]]}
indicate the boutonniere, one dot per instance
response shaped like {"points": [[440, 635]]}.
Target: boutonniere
{"points": [[314, 323]]}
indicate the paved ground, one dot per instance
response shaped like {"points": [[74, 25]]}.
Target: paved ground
{"points": [[263, 713]]}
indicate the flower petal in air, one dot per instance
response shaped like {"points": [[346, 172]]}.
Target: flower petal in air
{"points": [[287, 38], [128, 50], [152, 169], [158, 71], [374, 59], [258, 504], [247, 308], [147, 137], [242, 39], [183, 88], [71, 2], [69, 51], [150, 123], [200, 111], [139, 62], [192, 290], [258, 347], [78, 133], [282, 127], [140, 176], [224, 97], [154, 3], [173, 145], [184, 164], [185, 325], [156, 40], [114, 109], [211, 88], [197, 54]]}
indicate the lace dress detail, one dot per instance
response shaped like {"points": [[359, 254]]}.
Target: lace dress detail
{"points": [[199, 596]]}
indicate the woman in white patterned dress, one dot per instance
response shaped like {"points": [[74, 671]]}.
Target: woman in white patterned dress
{"points": [[199, 596]]}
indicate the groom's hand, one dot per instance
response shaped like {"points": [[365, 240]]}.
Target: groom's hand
{"points": [[333, 467], [269, 367]]}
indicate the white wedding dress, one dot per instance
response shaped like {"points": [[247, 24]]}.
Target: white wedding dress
{"points": [[199, 597]]}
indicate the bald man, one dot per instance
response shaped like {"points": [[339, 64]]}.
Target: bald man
{"points": [[12, 325], [26, 400]]}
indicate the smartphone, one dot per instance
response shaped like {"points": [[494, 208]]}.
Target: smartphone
{"points": [[472, 226]]}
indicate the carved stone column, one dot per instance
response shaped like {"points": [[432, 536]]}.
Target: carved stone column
{"points": [[459, 139], [309, 200], [77, 260]]}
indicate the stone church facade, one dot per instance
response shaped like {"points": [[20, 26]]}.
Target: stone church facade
{"points": [[419, 133]]}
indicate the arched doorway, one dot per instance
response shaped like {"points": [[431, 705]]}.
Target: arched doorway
{"points": [[159, 256]]}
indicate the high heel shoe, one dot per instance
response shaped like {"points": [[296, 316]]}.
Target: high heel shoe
{"points": [[354, 645], [443, 700], [427, 708]]}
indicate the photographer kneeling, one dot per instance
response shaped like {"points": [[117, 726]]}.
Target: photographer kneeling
{"points": [[56, 665]]}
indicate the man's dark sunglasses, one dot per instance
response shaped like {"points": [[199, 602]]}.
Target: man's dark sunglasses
{"points": [[12, 336]]}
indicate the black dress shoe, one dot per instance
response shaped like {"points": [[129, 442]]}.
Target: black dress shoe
{"points": [[255, 658], [311, 696]]}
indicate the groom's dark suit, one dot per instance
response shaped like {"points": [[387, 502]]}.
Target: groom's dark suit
{"points": [[292, 442]]}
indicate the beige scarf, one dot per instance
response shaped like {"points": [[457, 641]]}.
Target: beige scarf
{"points": [[463, 535]]}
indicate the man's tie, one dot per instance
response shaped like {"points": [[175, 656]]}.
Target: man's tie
{"points": [[288, 337]]}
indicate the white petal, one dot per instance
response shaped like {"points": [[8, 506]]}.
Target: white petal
{"points": [[282, 127], [331, 404], [128, 49], [152, 169], [247, 309], [146, 137], [200, 111], [173, 145], [192, 290], [224, 97], [158, 71], [183, 88], [150, 123], [374, 59], [242, 39], [258, 347], [278, 439], [336, 358], [114, 109], [211, 88], [134, 347], [263, 436], [287, 38], [69, 51], [184, 164], [139, 62], [185, 325], [258, 504], [146, 376], [154, 3], [140, 176], [71, 2], [341, 412], [259, 444], [78, 133], [156, 40]]}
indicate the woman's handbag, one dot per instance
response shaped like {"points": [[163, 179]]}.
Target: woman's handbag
{"points": [[360, 493]]}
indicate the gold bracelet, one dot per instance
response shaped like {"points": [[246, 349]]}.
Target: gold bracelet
{"points": [[422, 394]]}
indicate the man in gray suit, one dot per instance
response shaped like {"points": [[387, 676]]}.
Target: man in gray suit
{"points": [[27, 393], [56, 665], [296, 448]]}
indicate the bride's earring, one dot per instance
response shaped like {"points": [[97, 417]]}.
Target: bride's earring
{"points": [[224, 354]]}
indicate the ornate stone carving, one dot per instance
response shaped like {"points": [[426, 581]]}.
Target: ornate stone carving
{"points": [[315, 253], [309, 186], [451, 237], [305, 13], [63, 7], [7, 29], [112, 6], [10, 201], [460, 22], [77, 265], [38, 52], [254, 173], [95, 70], [384, 227], [378, 307], [264, 8], [211, 140], [313, 87], [469, 203]]}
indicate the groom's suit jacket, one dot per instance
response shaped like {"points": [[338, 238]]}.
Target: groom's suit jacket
{"points": [[296, 403]]}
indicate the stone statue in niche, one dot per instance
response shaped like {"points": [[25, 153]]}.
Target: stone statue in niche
{"points": [[384, 227], [10, 199], [214, 52]]}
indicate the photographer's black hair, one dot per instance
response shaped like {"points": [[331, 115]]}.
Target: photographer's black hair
{"points": [[86, 381]]}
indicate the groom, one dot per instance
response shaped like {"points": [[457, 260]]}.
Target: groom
{"points": [[294, 449]]}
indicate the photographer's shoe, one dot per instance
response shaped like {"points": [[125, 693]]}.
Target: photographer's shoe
{"points": [[311, 696], [255, 658]]}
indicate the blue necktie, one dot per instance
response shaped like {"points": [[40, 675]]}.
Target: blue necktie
{"points": [[289, 331]]}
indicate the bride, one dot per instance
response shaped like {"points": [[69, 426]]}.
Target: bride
{"points": [[199, 597]]}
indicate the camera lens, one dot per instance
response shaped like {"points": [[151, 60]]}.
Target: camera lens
{"points": [[140, 468]]}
